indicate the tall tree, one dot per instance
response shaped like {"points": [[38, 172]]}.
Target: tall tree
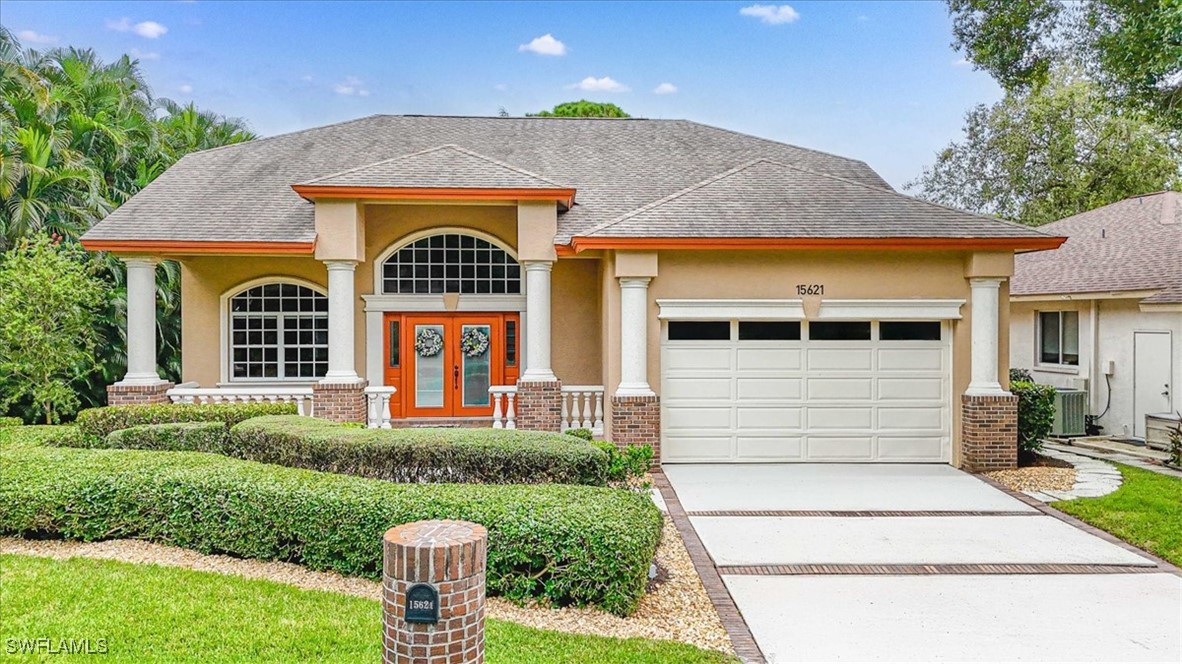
{"points": [[582, 109], [1051, 152], [1132, 48]]}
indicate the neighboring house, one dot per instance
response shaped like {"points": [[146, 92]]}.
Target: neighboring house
{"points": [[785, 304], [1104, 311]]}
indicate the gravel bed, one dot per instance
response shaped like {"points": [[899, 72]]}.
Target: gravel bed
{"points": [[678, 609], [1035, 478]]}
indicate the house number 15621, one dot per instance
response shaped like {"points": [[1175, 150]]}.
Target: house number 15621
{"points": [[810, 289]]}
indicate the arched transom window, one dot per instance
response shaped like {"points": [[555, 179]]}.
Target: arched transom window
{"points": [[451, 263], [278, 331]]}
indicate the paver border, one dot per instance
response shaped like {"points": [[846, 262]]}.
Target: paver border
{"points": [[939, 569], [1162, 564], [720, 596], [857, 513]]}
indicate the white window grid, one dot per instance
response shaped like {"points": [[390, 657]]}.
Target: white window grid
{"points": [[278, 332], [451, 263]]}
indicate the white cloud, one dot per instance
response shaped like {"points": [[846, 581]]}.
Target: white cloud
{"points": [[963, 62], [772, 14], [351, 86], [186, 88], [142, 55], [146, 29], [605, 84], [544, 45], [665, 89], [31, 37]]}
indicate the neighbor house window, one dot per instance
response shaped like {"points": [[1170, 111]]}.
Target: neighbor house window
{"points": [[278, 332], [451, 263], [1058, 337]]}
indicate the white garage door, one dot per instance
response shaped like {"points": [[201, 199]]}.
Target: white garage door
{"points": [[851, 391]]}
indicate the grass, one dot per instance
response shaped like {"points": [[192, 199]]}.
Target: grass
{"points": [[1146, 511], [151, 613]]}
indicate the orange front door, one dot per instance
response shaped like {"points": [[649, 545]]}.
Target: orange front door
{"points": [[443, 364]]}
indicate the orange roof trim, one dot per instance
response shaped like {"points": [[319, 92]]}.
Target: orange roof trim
{"points": [[564, 196], [197, 247], [579, 244]]}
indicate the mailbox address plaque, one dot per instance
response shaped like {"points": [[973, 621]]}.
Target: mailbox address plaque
{"points": [[422, 604]]}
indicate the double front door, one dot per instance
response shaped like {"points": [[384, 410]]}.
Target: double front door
{"points": [[444, 364]]}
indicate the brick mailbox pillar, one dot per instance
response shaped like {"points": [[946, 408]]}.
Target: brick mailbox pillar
{"points": [[433, 593]]}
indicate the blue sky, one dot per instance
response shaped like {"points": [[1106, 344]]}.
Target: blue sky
{"points": [[876, 81]]}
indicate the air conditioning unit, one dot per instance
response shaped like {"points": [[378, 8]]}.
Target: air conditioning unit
{"points": [[1071, 411]]}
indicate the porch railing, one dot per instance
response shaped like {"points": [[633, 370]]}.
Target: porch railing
{"points": [[377, 407], [300, 396], [582, 407]]}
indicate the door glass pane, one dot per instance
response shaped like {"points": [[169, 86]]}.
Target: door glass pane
{"points": [[1071, 337], [429, 375], [394, 344], [839, 331], [475, 350], [685, 330], [1049, 329]]}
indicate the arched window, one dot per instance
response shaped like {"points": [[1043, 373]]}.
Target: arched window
{"points": [[451, 263], [278, 331]]}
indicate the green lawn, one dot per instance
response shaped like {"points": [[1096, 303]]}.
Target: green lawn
{"points": [[150, 613], [1145, 511]]}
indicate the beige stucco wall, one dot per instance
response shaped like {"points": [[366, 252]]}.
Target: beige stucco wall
{"points": [[576, 336]]}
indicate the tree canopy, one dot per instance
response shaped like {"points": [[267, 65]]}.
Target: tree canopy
{"points": [[582, 109]]}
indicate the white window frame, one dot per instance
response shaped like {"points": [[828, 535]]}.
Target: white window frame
{"points": [[380, 261], [1039, 363], [225, 321]]}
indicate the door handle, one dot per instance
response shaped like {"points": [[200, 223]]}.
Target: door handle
{"points": [[455, 376]]}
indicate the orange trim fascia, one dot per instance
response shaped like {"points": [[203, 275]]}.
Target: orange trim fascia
{"points": [[196, 247], [580, 244], [564, 250], [565, 196]]}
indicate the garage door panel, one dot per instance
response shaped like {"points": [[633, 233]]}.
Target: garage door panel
{"points": [[911, 359], [777, 447], [911, 389], [839, 359], [912, 448], [839, 419], [841, 389], [786, 417], [686, 360], [769, 388], [699, 418], [844, 448], [698, 388], [694, 448], [768, 359], [910, 419]]}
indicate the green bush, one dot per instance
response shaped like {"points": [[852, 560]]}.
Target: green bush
{"points": [[489, 456], [1036, 414], [1018, 374], [97, 423], [561, 543], [171, 437], [582, 434], [11, 422], [627, 463], [38, 435]]}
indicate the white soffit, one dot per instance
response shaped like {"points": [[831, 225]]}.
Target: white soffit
{"points": [[731, 309], [890, 310]]}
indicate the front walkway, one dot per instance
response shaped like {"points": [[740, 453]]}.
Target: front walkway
{"points": [[918, 562]]}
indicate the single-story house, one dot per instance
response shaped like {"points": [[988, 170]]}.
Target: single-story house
{"points": [[1104, 311], [723, 297]]}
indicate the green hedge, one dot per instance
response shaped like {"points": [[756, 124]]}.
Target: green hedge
{"points": [[563, 543], [11, 422], [171, 437], [1036, 414], [97, 423], [39, 435]]}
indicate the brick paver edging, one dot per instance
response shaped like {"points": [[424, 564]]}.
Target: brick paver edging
{"points": [[1162, 564], [736, 627], [858, 513], [929, 570]]}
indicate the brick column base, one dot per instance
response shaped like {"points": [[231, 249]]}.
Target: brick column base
{"points": [[637, 421], [988, 432], [125, 395], [450, 556], [339, 402], [539, 405]]}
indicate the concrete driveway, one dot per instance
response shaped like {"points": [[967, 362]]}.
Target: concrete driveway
{"points": [[920, 563]]}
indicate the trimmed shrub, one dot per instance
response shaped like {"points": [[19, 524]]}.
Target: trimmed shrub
{"points": [[11, 422], [582, 434], [171, 437], [1020, 374], [97, 423], [627, 463], [38, 435], [561, 543], [1036, 415], [489, 456]]}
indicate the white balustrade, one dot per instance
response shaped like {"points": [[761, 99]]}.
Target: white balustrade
{"points": [[504, 399], [377, 407], [582, 408], [300, 396]]}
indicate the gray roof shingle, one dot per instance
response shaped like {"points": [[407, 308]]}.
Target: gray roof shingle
{"points": [[446, 166], [1134, 244], [243, 192]]}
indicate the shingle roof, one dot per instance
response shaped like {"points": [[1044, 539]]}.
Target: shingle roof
{"points": [[768, 199], [1134, 244], [446, 166], [242, 192]]}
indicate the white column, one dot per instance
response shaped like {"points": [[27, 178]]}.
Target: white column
{"points": [[986, 321], [141, 322], [340, 323], [537, 330], [634, 337]]}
